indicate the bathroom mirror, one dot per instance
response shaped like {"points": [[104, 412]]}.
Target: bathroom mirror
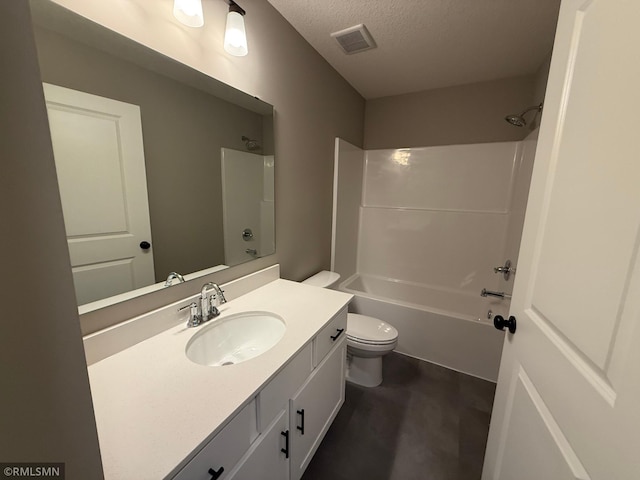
{"points": [[154, 160]]}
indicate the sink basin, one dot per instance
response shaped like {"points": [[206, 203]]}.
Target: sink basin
{"points": [[235, 339]]}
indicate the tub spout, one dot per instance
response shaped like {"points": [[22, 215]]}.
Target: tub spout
{"points": [[490, 293]]}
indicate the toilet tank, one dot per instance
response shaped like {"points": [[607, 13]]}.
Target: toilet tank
{"points": [[324, 279]]}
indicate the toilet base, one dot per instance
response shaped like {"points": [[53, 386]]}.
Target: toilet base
{"points": [[366, 372]]}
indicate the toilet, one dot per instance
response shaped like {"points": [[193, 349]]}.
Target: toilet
{"points": [[368, 339]]}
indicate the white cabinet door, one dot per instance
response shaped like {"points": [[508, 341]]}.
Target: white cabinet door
{"points": [[97, 145], [568, 399], [268, 458], [314, 407]]}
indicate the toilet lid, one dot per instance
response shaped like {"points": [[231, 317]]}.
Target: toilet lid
{"points": [[370, 330]]}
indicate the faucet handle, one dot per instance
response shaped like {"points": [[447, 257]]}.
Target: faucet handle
{"points": [[213, 309], [220, 294], [194, 318], [506, 270], [191, 305]]}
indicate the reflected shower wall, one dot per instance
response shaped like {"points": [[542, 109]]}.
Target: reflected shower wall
{"points": [[247, 205]]}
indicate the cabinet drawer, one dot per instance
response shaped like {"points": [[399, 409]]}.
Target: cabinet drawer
{"points": [[225, 449], [276, 394], [328, 336]]}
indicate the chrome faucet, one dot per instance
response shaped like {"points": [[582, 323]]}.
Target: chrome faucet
{"points": [[207, 305], [171, 277]]}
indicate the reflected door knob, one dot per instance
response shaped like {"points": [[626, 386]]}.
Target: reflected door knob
{"points": [[145, 245], [499, 322]]}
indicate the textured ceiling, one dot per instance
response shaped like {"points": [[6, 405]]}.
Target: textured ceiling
{"points": [[425, 44]]}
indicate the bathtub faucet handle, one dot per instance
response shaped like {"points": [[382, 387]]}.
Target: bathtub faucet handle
{"points": [[506, 270]]}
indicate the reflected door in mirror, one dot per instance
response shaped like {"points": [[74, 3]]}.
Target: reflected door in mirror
{"points": [[98, 149]]}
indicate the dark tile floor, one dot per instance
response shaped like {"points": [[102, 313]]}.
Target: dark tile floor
{"points": [[424, 422]]}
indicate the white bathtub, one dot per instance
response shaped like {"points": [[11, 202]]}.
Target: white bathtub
{"points": [[439, 326]]}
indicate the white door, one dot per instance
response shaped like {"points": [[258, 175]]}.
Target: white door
{"points": [[568, 398], [97, 144]]}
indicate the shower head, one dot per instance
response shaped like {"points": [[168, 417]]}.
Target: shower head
{"points": [[251, 145], [516, 120], [519, 120]]}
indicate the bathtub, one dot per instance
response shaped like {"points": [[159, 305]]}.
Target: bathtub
{"points": [[449, 328]]}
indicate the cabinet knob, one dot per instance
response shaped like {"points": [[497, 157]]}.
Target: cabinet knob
{"points": [[215, 474]]}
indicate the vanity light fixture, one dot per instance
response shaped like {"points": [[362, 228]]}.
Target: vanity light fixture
{"points": [[235, 36], [189, 12]]}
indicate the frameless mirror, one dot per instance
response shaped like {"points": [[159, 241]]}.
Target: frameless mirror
{"points": [[161, 168]]}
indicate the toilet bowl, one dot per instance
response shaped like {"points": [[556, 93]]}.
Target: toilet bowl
{"points": [[368, 339]]}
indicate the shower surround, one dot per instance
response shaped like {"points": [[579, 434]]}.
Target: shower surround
{"points": [[417, 233]]}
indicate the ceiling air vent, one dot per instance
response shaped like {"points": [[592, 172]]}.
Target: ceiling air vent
{"points": [[354, 39]]}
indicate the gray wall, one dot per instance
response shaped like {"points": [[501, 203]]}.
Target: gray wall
{"points": [[183, 128], [472, 113], [46, 414]]}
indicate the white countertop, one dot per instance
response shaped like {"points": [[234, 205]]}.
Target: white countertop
{"points": [[154, 407]]}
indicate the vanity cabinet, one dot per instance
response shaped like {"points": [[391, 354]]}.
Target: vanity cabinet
{"points": [[275, 436]]}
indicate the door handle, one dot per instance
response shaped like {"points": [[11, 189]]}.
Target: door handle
{"points": [[144, 245], [499, 322]]}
